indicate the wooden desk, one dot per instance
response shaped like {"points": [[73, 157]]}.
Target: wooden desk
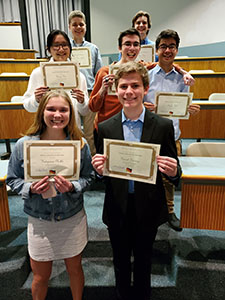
{"points": [[207, 124], [208, 83], [17, 53], [19, 65], [215, 63], [203, 193], [4, 206], [14, 120], [12, 86]]}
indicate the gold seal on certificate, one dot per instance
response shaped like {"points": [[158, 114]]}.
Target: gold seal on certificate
{"points": [[82, 56], [173, 105], [147, 53], [58, 75], [49, 158], [112, 70], [131, 160]]}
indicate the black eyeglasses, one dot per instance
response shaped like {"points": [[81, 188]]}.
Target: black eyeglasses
{"points": [[172, 47], [129, 44], [57, 46]]}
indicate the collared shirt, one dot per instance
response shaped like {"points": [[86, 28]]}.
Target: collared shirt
{"points": [[96, 62], [132, 131], [161, 81]]}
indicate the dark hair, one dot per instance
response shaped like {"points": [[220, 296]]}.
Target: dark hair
{"points": [[51, 37], [130, 31], [139, 14], [166, 34], [132, 67]]}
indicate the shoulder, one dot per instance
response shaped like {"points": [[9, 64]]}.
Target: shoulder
{"points": [[36, 72], [90, 45], [109, 123], [103, 70], [157, 119]]}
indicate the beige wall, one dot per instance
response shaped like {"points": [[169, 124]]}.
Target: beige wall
{"points": [[197, 21]]}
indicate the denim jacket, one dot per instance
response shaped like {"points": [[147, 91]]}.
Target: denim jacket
{"points": [[64, 205]]}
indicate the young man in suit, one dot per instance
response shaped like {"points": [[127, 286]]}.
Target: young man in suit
{"points": [[133, 210]]}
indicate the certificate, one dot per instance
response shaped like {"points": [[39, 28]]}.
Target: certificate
{"points": [[173, 105], [131, 160], [147, 53], [112, 70], [82, 56], [64, 75], [50, 158]]}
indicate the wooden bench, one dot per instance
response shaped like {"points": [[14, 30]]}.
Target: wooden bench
{"points": [[208, 123], [19, 65], [208, 83], [12, 86], [15, 120], [4, 205], [215, 63], [17, 53]]}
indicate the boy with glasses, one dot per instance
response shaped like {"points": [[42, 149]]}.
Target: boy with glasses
{"points": [[165, 78]]}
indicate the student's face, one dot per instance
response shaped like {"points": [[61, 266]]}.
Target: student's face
{"points": [[77, 27], [141, 25], [60, 49], [167, 51], [57, 113], [131, 91], [130, 47]]}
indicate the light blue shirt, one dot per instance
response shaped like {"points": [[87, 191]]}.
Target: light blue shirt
{"points": [[132, 131], [96, 62], [160, 81]]}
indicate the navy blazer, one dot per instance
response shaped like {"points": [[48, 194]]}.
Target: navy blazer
{"points": [[150, 201]]}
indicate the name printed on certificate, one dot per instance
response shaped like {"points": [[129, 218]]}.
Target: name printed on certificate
{"points": [[173, 105], [131, 160], [82, 56], [49, 158], [63, 75]]}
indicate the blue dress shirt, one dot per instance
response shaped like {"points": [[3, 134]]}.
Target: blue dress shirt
{"points": [[132, 131]]}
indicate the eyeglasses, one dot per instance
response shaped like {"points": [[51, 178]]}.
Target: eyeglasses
{"points": [[129, 44], [172, 47], [57, 46]]}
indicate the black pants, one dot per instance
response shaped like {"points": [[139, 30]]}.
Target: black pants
{"points": [[132, 239]]}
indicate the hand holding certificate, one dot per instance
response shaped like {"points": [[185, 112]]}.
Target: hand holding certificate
{"points": [[173, 105], [131, 160]]}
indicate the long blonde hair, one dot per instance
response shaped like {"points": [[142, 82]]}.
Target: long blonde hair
{"points": [[39, 126]]}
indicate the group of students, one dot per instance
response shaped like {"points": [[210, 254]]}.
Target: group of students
{"points": [[57, 226]]}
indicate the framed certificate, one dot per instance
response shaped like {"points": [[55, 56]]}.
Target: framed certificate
{"points": [[173, 105], [82, 56], [112, 70], [131, 160], [64, 75], [147, 53], [50, 158]]}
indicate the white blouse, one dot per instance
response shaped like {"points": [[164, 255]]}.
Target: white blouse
{"points": [[36, 80]]}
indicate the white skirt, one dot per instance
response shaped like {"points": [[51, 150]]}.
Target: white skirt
{"points": [[52, 240]]}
